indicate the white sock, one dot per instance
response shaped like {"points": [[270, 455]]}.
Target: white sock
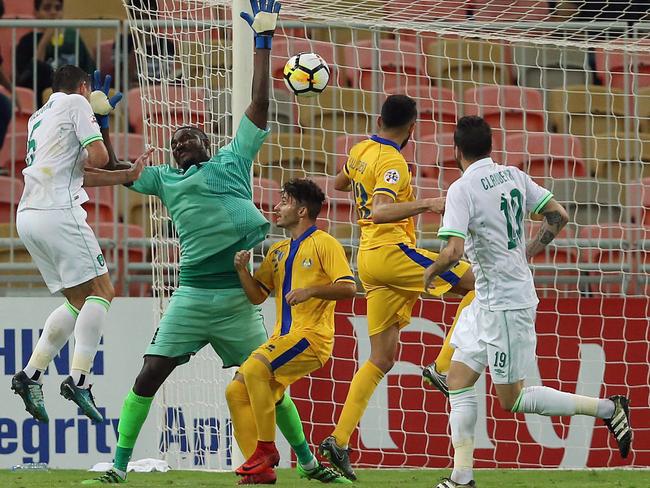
{"points": [[462, 420], [58, 329], [87, 334], [550, 402], [311, 464]]}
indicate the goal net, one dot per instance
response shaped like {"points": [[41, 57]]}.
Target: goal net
{"points": [[565, 86]]}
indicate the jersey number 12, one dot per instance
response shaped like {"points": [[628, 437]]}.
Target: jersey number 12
{"points": [[512, 208]]}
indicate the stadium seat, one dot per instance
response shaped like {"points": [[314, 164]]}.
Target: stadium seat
{"points": [[554, 269], [167, 107], [128, 146], [427, 223], [612, 153], [13, 152], [18, 8], [544, 155], [617, 69], [343, 145], [510, 108], [642, 271], [509, 10], [338, 215], [586, 110], [100, 205], [462, 64], [9, 38], [605, 258], [551, 66], [286, 47], [424, 11], [295, 153], [338, 111], [645, 202], [11, 189], [588, 201], [435, 159], [106, 60], [266, 195], [134, 209], [391, 62], [25, 98]]}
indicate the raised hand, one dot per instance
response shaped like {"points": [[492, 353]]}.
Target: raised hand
{"points": [[263, 21], [241, 260], [101, 104]]}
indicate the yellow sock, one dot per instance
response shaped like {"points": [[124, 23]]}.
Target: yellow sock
{"points": [[443, 361], [361, 389], [243, 421], [257, 376]]}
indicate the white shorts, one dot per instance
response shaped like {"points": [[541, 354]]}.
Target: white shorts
{"points": [[503, 341], [62, 245]]}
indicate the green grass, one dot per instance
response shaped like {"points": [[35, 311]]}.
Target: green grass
{"points": [[367, 478]]}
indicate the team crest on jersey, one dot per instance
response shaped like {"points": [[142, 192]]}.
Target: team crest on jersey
{"points": [[306, 263], [100, 260], [391, 176], [276, 258]]}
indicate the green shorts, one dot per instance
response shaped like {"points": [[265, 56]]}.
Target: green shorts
{"points": [[223, 318]]}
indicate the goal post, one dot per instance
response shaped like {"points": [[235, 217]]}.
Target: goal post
{"points": [[566, 91]]}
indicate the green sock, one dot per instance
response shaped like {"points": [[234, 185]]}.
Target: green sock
{"points": [[134, 412], [288, 420]]}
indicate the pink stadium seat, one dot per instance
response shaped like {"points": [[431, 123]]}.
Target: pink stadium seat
{"points": [[106, 57], [606, 257], [168, 105], [9, 38], [100, 206], [14, 161], [400, 63], [286, 47], [511, 108], [266, 195], [614, 66], [427, 188], [424, 11], [436, 150], [128, 146], [25, 98], [11, 190], [509, 10], [544, 155], [645, 201], [18, 8]]}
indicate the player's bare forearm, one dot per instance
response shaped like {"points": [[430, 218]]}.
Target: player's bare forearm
{"points": [[555, 218], [385, 210], [254, 291], [258, 109], [342, 182], [336, 291], [113, 163], [447, 259], [102, 177]]}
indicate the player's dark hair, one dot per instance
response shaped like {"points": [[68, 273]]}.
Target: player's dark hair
{"points": [[473, 136], [398, 111], [68, 77], [202, 135], [307, 194]]}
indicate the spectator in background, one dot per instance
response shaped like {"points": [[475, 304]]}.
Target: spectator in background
{"points": [[5, 101], [52, 47]]}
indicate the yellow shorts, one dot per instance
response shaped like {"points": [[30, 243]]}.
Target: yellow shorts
{"points": [[393, 277], [291, 357]]}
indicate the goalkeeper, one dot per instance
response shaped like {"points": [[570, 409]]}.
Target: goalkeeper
{"points": [[210, 202]]}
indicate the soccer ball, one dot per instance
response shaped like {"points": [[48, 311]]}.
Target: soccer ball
{"points": [[306, 74]]}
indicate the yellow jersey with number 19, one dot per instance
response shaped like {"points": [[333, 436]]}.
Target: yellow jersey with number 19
{"points": [[376, 167]]}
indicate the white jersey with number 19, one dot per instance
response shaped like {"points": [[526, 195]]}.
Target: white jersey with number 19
{"points": [[58, 134], [486, 207]]}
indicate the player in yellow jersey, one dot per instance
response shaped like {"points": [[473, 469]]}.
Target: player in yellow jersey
{"points": [[390, 266], [308, 273]]}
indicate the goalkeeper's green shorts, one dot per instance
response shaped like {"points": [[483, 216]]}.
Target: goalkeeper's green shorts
{"points": [[223, 318]]}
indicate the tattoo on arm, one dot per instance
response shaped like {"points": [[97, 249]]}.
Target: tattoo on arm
{"points": [[554, 222]]}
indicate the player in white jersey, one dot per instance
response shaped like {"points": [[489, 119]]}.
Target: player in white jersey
{"points": [[65, 144], [484, 217]]}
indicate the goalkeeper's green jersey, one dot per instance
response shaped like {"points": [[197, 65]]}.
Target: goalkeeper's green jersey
{"points": [[212, 208]]}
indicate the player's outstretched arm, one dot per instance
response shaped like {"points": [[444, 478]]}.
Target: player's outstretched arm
{"points": [[254, 291], [336, 291], [263, 22], [385, 210], [101, 177], [555, 218]]}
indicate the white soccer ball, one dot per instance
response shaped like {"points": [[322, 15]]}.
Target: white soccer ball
{"points": [[306, 74]]}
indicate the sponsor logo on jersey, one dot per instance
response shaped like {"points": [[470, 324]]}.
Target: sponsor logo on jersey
{"points": [[306, 263], [391, 176], [499, 372], [100, 260]]}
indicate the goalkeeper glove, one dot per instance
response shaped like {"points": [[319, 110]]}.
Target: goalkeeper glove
{"points": [[99, 101], [263, 21]]}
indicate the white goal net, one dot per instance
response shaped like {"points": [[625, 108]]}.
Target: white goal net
{"points": [[566, 88]]}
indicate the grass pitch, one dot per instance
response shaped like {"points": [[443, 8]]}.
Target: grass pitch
{"points": [[384, 478]]}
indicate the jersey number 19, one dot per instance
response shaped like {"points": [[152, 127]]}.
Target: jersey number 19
{"points": [[512, 208]]}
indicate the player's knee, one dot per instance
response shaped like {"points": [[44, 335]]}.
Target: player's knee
{"points": [[385, 364], [152, 375], [103, 287], [255, 367], [236, 393]]}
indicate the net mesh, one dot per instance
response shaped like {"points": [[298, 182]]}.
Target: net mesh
{"points": [[565, 89]]}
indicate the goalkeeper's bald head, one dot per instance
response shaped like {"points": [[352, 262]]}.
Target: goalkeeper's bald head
{"points": [[190, 146]]}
